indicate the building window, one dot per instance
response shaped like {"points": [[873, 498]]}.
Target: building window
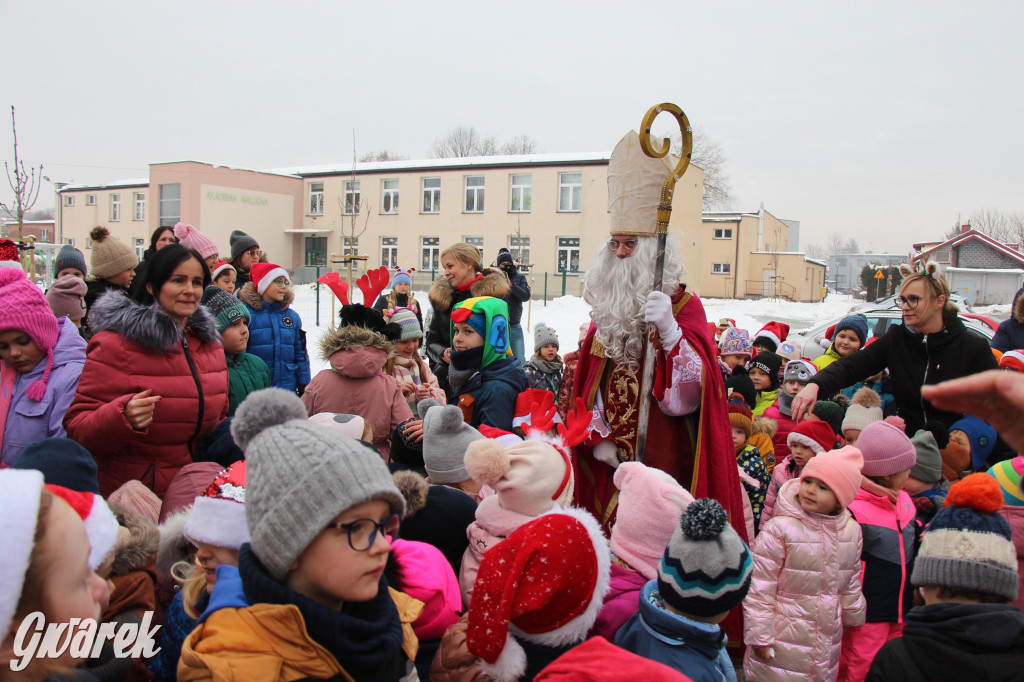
{"points": [[351, 197], [807, 274], [115, 207], [721, 268], [389, 251], [316, 251], [90, 200], [70, 241], [522, 189], [316, 198], [568, 254], [723, 233], [478, 242], [140, 247], [389, 197], [88, 243], [840, 262], [349, 248], [474, 194], [431, 195], [140, 206], [430, 253], [69, 199], [44, 234], [170, 205], [519, 247], [570, 191]]}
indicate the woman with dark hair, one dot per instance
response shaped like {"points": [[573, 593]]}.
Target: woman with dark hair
{"points": [[161, 237], [155, 378]]}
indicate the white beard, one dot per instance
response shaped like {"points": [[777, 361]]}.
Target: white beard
{"points": [[617, 289]]}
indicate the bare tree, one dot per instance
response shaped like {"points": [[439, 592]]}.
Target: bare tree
{"points": [[708, 155], [520, 144], [351, 205], [384, 155], [463, 141], [992, 222], [26, 184], [816, 251], [834, 244]]}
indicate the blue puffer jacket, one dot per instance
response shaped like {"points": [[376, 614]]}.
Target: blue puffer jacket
{"points": [[276, 337], [494, 390], [1010, 334]]}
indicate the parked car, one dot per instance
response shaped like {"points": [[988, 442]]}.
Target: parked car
{"points": [[810, 343]]}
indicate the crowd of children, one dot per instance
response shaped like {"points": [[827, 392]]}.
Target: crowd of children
{"points": [[173, 459]]}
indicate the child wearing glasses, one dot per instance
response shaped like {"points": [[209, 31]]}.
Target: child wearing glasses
{"points": [[308, 598], [275, 330]]}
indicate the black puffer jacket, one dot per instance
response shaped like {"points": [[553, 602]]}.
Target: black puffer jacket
{"points": [[913, 360]]}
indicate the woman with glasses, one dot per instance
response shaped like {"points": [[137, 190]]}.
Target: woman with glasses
{"points": [[244, 252], [308, 599], [932, 345]]}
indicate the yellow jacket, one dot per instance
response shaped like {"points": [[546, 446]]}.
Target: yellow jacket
{"points": [[270, 642], [827, 358]]}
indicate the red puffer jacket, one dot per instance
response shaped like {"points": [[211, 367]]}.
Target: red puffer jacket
{"points": [[137, 347]]}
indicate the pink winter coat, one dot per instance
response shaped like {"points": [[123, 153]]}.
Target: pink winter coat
{"points": [[805, 589], [493, 524], [1015, 516], [783, 472], [424, 574], [784, 425], [620, 603]]}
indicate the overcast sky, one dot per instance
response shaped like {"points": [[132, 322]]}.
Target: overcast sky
{"points": [[878, 120]]}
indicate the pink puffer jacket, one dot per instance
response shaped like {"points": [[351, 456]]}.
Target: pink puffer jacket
{"points": [[1015, 516], [782, 473], [805, 589]]}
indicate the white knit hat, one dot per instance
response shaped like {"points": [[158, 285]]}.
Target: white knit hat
{"points": [[20, 492]]}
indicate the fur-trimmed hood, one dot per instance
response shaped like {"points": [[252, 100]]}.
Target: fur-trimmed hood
{"points": [[147, 325], [249, 296], [494, 283], [350, 338], [174, 547], [765, 425], [137, 547]]}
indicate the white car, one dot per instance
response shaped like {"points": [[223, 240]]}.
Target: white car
{"points": [[809, 343]]}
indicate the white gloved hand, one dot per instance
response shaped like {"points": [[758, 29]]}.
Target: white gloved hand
{"points": [[608, 452], [658, 311]]}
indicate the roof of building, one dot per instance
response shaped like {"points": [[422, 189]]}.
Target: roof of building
{"points": [[815, 261], [562, 159], [137, 182], [970, 235], [227, 167], [12, 221]]}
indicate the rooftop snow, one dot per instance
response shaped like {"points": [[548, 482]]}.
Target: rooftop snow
{"points": [[222, 165], [143, 182], [463, 162]]}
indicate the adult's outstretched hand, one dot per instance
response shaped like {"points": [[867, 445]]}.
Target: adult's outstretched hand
{"points": [[997, 396]]}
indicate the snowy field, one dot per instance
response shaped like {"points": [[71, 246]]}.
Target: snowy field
{"points": [[565, 315]]}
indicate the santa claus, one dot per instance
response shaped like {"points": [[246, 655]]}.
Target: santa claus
{"points": [[688, 432]]}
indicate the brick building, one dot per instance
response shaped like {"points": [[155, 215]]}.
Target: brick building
{"points": [[984, 271]]}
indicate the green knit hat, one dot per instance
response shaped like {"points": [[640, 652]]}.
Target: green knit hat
{"points": [[495, 326], [226, 309]]}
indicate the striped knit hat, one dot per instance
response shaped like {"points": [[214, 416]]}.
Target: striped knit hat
{"points": [[741, 418], [968, 545], [410, 324], [1008, 475], [705, 570]]}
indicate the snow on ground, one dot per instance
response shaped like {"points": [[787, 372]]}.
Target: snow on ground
{"points": [[565, 314]]}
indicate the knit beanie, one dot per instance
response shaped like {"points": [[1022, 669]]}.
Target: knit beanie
{"points": [[928, 467], [968, 545], [735, 342], [705, 570], [303, 476], [831, 413], [70, 257], [263, 274], [401, 276], [240, 242], [20, 495], [409, 324], [1013, 360], [66, 297], [544, 583], [772, 335], [504, 257], [542, 336], [650, 502], [25, 309], [100, 524], [225, 308], [219, 268], [813, 433], [886, 449], [1008, 475], [218, 515], [136, 496], [799, 370], [110, 256], [489, 318], [741, 385], [62, 462], [856, 323], [982, 437], [839, 470], [191, 238], [865, 407], [529, 477], [769, 363], [741, 417], [446, 436]]}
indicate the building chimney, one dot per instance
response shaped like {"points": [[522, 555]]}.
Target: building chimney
{"points": [[965, 228]]}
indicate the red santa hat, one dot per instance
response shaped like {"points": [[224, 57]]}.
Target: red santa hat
{"points": [[220, 267], [1013, 359], [262, 274], [815, 434], [504, 437], [544, 583], [776, 332], [100, 524], [218, 515]]}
